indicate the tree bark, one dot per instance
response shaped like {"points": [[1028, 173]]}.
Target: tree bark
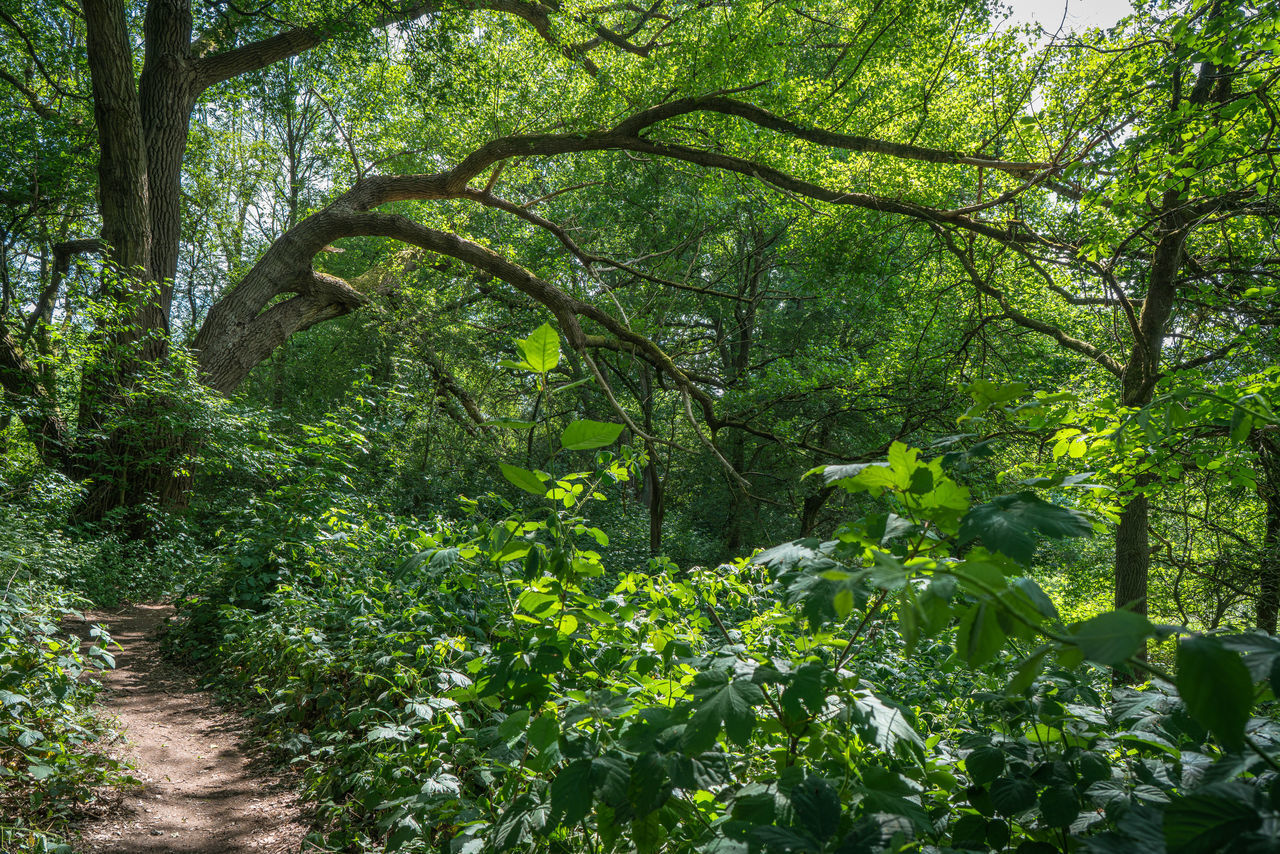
{"points": [[1267, 447]]}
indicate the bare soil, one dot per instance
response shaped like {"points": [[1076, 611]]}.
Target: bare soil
{"points": [[203, 789]]}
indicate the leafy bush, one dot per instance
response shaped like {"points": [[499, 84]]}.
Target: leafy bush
{"points": [[492, 685], [484, 685], [51, 759]]}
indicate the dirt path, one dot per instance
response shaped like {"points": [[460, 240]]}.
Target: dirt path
{"points": [[202, 792]]}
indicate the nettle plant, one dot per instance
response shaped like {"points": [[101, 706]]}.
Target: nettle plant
{"points": [[493, 685], [749, 708]]}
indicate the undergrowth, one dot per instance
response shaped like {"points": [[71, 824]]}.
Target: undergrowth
{"points": [[491, 685], [52, 757]]}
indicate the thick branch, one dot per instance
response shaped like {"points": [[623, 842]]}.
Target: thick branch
{"points": [[225, 362], [40, 108]]}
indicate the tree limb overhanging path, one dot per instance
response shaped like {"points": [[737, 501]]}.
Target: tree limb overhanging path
{"points": [[201, 792]]}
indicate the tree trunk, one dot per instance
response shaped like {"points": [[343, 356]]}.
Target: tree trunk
{"points": [[1133, 540], [1268, 449], [125, 459], [811, 507], [654, 493]]}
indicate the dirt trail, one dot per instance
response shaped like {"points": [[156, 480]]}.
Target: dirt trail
{"points": [[202, 792]]}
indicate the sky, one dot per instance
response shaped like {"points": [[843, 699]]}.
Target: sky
{"points": [[1081, 14]]}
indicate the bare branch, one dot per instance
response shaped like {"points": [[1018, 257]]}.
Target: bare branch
{"points": [[1064, 340]]}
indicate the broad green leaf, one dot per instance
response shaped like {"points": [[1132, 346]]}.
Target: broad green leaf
{"points": [[986, 394], [717, 702], [1011, 796], [843, 603], [573, 384], [514, 724], [541, 350], [544, 731], [516, 821], [817, 807], [1059, 805], [1209, 819], [1217, 688], [889, 724], [586, 434], [984, 764], [1113, 637], [807, 691], [1028, 669], [525, 479], [1009, 524], [571, 793], [648, 787], [979, 636]]}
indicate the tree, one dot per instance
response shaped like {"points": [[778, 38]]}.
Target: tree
{"points": [[1139, 188], [142, 127]]}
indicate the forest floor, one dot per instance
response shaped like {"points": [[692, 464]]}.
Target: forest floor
{"points": [[203, 789]]}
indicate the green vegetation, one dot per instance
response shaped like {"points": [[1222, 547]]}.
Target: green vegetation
{"points": [[50, 750], [782, 427]]}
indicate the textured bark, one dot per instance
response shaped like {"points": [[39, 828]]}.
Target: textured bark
{"points": [[1133, 540], [166, 96], [123, 187], [811, 507]]}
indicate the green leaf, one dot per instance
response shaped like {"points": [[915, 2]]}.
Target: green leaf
{"points": [[1059, 805], [544, 732], [1113, 637], [573, 384], [970, 832], [817, 807], [1217, 688], [979, 636], [571, 793], [1010, 796], [807, 691], [648, 787], [1009, 524], [730, 703], [586, 434], [541, 350], [1027, 671], [525, 479], [514, 724], [984, 764], [1209, 819], [516, 822], [889, 724]]}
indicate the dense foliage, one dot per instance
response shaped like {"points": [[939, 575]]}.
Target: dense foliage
{"points": [[771, 426], [53, 755], [491, 685]]}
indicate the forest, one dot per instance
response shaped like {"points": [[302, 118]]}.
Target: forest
{"points": [[725, 426]]}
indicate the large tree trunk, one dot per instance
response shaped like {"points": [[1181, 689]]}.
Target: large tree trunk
{"points": [[124, 457]]}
